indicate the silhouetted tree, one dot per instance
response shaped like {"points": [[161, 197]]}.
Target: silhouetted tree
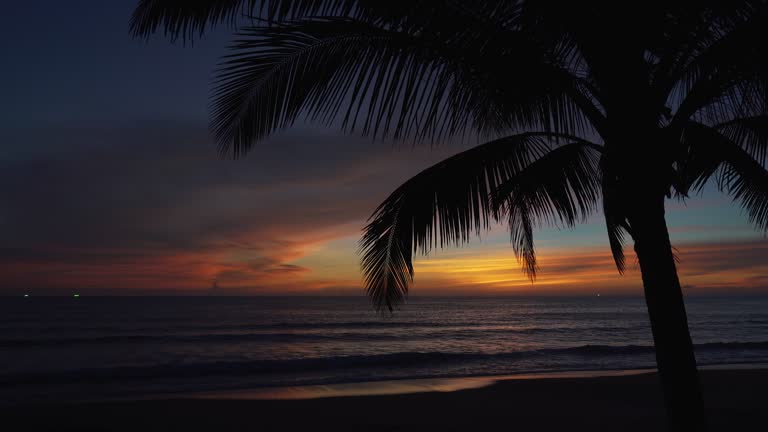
{"points": [[583, 103]]}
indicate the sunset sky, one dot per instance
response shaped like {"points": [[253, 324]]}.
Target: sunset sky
{"points": [[111, 184]]}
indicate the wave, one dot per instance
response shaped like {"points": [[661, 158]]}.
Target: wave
{"points": [[282, 326], [197, 339], [420, 332], [357, 362], [127, 331]]}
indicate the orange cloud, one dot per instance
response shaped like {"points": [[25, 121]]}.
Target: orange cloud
{"points": [[323, 259], [320, 265], [494, 270]]}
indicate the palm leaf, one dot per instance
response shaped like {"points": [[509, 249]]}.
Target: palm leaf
{"points": [[190, 18], [699, 159], [746, 181], [726, 76], [396, 84], [751, 133], [420, 69], [617, 230], [615, 216], [694, 39], [561, 187], [443, 205], [711, 154], [187, 19]]}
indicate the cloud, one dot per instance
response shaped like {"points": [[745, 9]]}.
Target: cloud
{"points": [[150, 208], [152, 205], [703, 267]]}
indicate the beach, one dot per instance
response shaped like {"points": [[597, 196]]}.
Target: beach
{"points": [[735, 399], [309, 364]]}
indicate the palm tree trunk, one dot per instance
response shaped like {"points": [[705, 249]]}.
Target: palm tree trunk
{"points": [[664, 298]]}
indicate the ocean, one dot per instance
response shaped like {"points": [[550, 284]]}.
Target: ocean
{"points": [[56, 348]]}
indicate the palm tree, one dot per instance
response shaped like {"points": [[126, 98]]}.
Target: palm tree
{"points": [[579, 104]]}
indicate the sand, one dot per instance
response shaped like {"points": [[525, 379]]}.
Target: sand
{"points": [[737, 400]]}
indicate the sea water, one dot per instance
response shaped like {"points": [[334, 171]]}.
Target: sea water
{"points": [[57, 348]]}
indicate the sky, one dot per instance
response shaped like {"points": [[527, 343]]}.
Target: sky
{"points": [[111, 184]]}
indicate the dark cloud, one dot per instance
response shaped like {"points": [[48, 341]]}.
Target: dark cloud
{"points": [[287, 268], [154, 191], [726, 256], [152, 206]]}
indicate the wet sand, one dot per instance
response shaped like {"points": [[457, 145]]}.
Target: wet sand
{"points": [[736, 400]]}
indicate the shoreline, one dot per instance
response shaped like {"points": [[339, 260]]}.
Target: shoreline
{"points": [[394, 387], [735, 400], [382, 387], [418, 385]]}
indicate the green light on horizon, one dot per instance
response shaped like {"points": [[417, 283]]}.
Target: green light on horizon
{"points": [[76, 295], [26, 295]]}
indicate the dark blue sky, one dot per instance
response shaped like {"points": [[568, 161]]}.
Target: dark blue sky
{"points": [[111, 180], [72, 63]]}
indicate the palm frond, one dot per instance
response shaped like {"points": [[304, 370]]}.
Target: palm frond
{"points": [[561, 187], [751, 133], [190, 18], [617, 231], [187, 19], [693, 35], [746, 181], [409, 68], [396, 84], [443, 205], [613, 211], [699, 159], [726, 78], [711, 154]]}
